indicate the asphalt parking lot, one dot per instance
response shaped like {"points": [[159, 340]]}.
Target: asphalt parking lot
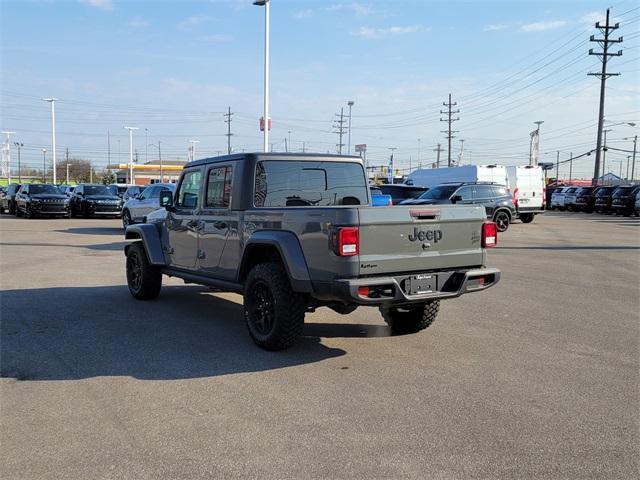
{"points": [[535, 378]]}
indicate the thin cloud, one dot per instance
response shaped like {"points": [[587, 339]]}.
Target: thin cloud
{"points": [[592, 17], [101, 4], [377, 33], [138, 23], [217, 38], [303, 13], [494, 27], [541, 26], [358, 8], [194, 20]]}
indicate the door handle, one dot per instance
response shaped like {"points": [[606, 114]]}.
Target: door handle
{"points": [[220, 225]]}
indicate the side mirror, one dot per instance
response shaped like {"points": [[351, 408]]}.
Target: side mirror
{"points": [[456, 199], [166, 199]]}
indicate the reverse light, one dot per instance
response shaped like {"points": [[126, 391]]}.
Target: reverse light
{"points": [[489, 235]]}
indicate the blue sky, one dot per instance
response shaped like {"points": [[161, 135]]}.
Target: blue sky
{"points": [[174, 67]]}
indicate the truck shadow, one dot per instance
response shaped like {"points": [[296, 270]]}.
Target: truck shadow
{"points": [[115, 246], [94, 231], [72, 333]]}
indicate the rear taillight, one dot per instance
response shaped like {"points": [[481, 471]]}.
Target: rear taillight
{"points": [[515, 196], [345, 241], [489, 235]]}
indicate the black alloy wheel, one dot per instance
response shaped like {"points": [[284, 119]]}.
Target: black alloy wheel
{"points": [[134, 270], [502, 221], [262, 308], [126, 219]]}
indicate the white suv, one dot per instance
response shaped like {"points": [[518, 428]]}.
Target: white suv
{"points": [[557, 198]]}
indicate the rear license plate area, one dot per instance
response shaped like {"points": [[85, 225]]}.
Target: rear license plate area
{"points": [[421, 284]]}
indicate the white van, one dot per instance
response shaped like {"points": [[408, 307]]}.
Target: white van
{"points": [[527, 187], [428, 177]]}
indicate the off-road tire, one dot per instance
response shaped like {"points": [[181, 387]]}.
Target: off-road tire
{"points": [[144, 280], [18, 213], [29, 212], [410, 318], [273, 312], [527, 217], [126, 219]]}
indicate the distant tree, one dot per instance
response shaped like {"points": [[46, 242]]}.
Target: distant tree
{"points": [[108, 177], [79, 170]]}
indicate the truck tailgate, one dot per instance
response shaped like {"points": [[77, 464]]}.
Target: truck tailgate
{"points": [[420, 238]]}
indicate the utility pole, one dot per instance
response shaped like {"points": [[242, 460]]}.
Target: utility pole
{"points": [[193, 148], [8, 134], [449, 120], [19, 145], [461, 151], [160, 159], [604, 154], [350, 103], [626, 176], [570, 167], [535, 134], [418, 153], [229, 134], [391, 162], [633, 159], [289, 143], [605, 42], [557, 167], [52, 101], [438, 151], [67, 165], [340, 128], [146, 145], [108, 148]]}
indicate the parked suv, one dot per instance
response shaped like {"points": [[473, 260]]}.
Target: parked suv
{"points": [[41, 199], [623, 199], [585, 199], [8, 199], [602, 203], [136, 209], [497, 201], [94, 200], [400, 192], [570, 195], [557, 198], [295, 232]]}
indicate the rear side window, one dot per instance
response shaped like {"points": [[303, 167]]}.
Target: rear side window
{"points": [[499, 191], [219, 187], [309, 184], [189, 190], [484, 192]]}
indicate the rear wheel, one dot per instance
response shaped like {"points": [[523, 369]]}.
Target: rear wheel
{"points": [[410, 318], [526, 217], [273, 311], [144, 280], [502, 220]]}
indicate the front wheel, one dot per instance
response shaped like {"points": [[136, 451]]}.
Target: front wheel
{"points": [[502, 220], [126, 219], [526, 217], [144, 280], [274, 313], [410, 318]]}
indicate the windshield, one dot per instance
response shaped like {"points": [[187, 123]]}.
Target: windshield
{"points": [[622, 191], [96, 190], [603, 192], [441, 192], [38, 189]]}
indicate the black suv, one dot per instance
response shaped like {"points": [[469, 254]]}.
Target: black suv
{"points": [[41, 199], [586, 199], [623, 199], [497, 201], [8, 199], [89, 200], [401, 191], [602, 202]]}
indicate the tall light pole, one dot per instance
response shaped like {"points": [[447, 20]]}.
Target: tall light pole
{"points": [[44, 165], [537, 134], [633, 159], [393, 149], [265, 4], [604, 153], [350, 103], [159, 157], [131, 129], [52, 101], [461, 151], [193, 148], [146, 143], [8, 134], [418, 153]]}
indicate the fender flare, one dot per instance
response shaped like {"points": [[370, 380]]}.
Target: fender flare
{"points": [[150, 237], [291, 253]]}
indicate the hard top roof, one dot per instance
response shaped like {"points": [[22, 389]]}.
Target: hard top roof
{"points": [[257, 156]]}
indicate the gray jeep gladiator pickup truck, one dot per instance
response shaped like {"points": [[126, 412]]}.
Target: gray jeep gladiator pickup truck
{"points": [[294, 232]]}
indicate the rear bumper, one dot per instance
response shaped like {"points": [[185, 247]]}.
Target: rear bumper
{"points": [[451, 284], [530, 210]]}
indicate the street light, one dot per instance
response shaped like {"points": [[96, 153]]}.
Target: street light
{"points": [[131, 129], [52, 101], [633, 161], [265, 4], [159, 157], [19, 145], [537, 135], [8, 134]]}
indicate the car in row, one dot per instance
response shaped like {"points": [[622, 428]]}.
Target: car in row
{"points": [[618, 199]]}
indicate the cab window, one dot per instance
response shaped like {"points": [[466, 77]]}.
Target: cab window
{"points": [[189, 190], [219, 187]]}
